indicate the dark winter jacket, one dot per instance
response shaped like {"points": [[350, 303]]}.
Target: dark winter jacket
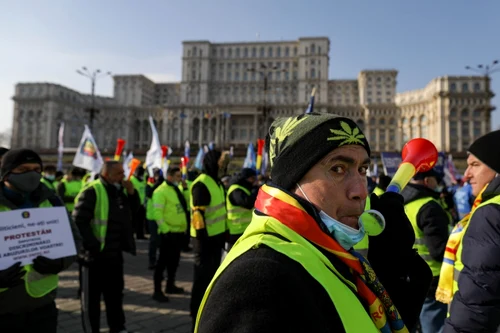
{"points": [[120, 234], [266, 291], [434, 223], [16, 299], [476, 304]]}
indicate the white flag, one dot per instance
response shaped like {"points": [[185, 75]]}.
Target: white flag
{"points": [[88, 156], [126, 163], [60, 149], [154, 155]]}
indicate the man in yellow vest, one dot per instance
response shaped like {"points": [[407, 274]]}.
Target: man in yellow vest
{"points": [[154, 242], [208, 224], [27, 293], [103, 212], [430, 223], [49, 177], [171, 215], [476, 302], [140, 187], [69, 188], [239, 203], [294, 270]]}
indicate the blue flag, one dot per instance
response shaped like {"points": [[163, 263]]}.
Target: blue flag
{"points": [[311, 102], [250, 160], [198, 163]]}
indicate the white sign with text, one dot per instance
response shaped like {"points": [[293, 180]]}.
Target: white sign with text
{"points": [[28, 233]]}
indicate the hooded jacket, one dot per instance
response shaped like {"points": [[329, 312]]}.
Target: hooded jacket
{"points": [[433, 221], [16, 300], [476, 304]]}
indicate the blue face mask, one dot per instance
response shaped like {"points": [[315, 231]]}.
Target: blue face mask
{"points": [[345, 235]]}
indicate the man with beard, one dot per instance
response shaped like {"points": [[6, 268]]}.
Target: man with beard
{"points": [[208, 224]]}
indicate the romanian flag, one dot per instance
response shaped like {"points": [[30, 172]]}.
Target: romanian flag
{"points": [[260, 149], [184, 168], [120, 143]]}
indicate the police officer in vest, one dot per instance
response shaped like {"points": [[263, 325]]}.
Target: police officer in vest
{"points": [[49, 177], [171, 215], [27, 293], [103, 213], [208, 224], [430, 223], [476, 302], [239, 202], [294, 270], [69, 188]]}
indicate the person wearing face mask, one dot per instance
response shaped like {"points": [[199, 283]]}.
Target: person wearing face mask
{"points": [[208, 224], [171, 215], [27, 293], [49, 177], [103, 212], [430, 223], [294, 268], [471, 270]]}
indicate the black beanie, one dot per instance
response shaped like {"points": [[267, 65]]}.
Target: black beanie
{"points": [[295, 144], [486, 150], [15, 157]]}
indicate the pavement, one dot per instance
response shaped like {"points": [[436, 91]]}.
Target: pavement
{"points": [[142, 313]]}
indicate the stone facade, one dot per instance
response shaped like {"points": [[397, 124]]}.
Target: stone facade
{"points": [[230, 93]]}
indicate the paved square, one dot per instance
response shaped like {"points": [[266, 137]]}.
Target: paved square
{"points": [[142, 313]]}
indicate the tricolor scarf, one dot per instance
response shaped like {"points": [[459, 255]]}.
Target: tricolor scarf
{"points": [[444, 291], [284, 208]]}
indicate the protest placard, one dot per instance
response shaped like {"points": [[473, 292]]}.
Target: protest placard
{"points": [[28, 233]]}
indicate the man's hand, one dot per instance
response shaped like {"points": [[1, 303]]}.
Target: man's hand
{"points": [[45, 265], [11, 277], [127, 184]]}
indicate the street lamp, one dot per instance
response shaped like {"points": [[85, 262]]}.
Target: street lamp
{"points": [[486, 71], [264, 71], [93, 76]]}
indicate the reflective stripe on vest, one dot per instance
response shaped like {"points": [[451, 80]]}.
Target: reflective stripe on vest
{"points": [[36, 284], [215, 212], [71, 189], [412, 210], [47, 183], [459, 265], [354, 317], [99, 223], [168, 210], [238, 218]]}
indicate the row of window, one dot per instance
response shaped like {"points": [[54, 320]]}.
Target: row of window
{"points": [[465, 113], [246, 52], [465, 87]]}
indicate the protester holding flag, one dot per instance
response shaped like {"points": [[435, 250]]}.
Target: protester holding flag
{"points": [[49, 177], [294, 270], [208, 224], [471, 270], [104, 213], [239, 203], [27, 293]]}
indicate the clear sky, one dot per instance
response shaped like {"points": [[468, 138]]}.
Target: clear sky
{"points": [[46, 41]]}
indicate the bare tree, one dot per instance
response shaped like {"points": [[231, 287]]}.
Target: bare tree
{"points": [[5, 137]]}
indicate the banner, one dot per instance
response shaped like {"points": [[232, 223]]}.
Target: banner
{"points": [[60, 149], [88, 156], [153, 157], [28, 233], [391, 162]]}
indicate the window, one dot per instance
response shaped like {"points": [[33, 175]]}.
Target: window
{"points": [[392, 136], [237, 76], [373, 121], [287, 51], [245, 52], [379, 79], [465, 113], [413, 127], [228, 76], [278, 75], [229, 53], [278, 52], [254, 51], [313, 49], [423, 127], [361, 124], [270, 52], [287, 76], [262, 52], [453, 87], [477, 87], [381, 121], [295, 51], [319, 49], [313, 73], [369, 100], [465, 128], [477, 114], [373, 136], [237, 52], [465, 87], [245, 76], [221, 53], [453, 113]]}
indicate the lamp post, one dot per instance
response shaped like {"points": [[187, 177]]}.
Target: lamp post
{"points": [[93, 76], [486, 71], [264, 72]]}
